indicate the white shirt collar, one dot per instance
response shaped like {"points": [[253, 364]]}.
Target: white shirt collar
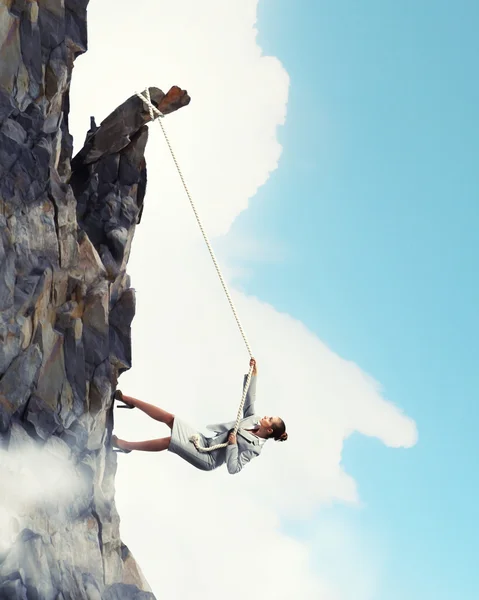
{"points": [[261, 440]]}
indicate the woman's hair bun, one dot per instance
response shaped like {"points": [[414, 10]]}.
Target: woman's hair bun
{"points": [[283, 437]]}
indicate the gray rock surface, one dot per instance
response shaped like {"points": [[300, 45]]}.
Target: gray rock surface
{"points": [[66, 306]]}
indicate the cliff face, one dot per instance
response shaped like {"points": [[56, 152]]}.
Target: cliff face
{"points": [[66, 306]]}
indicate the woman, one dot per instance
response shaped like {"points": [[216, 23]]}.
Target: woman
{"points": [[253, 432]]}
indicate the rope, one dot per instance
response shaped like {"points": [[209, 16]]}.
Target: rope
{"points": [[153, 110]]}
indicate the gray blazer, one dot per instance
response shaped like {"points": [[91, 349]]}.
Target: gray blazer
{"points": [[247, 444]]}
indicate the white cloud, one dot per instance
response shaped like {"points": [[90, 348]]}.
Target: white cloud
{"points": [[347, 556], [196, 533], [36, 479]]}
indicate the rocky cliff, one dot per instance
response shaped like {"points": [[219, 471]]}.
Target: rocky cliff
{"points": [[66, 227]]}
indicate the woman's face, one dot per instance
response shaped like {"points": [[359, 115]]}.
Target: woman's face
{"points": [[267, 423]]}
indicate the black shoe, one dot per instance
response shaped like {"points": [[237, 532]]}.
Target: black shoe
{"points": [[119, 396]]}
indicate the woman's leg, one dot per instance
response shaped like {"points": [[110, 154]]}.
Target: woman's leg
{"points": [[148, 445], [155, 412]]}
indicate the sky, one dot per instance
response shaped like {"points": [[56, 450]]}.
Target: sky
{"points": [[331, 149]]}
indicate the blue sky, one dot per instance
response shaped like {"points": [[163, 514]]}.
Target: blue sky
{"points": [[375, 203]]}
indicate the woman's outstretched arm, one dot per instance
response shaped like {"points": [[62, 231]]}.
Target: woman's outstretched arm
{"points": [[248, 409]]}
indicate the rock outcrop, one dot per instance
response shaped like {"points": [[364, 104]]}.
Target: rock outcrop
{"points": [[66, 307]]}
